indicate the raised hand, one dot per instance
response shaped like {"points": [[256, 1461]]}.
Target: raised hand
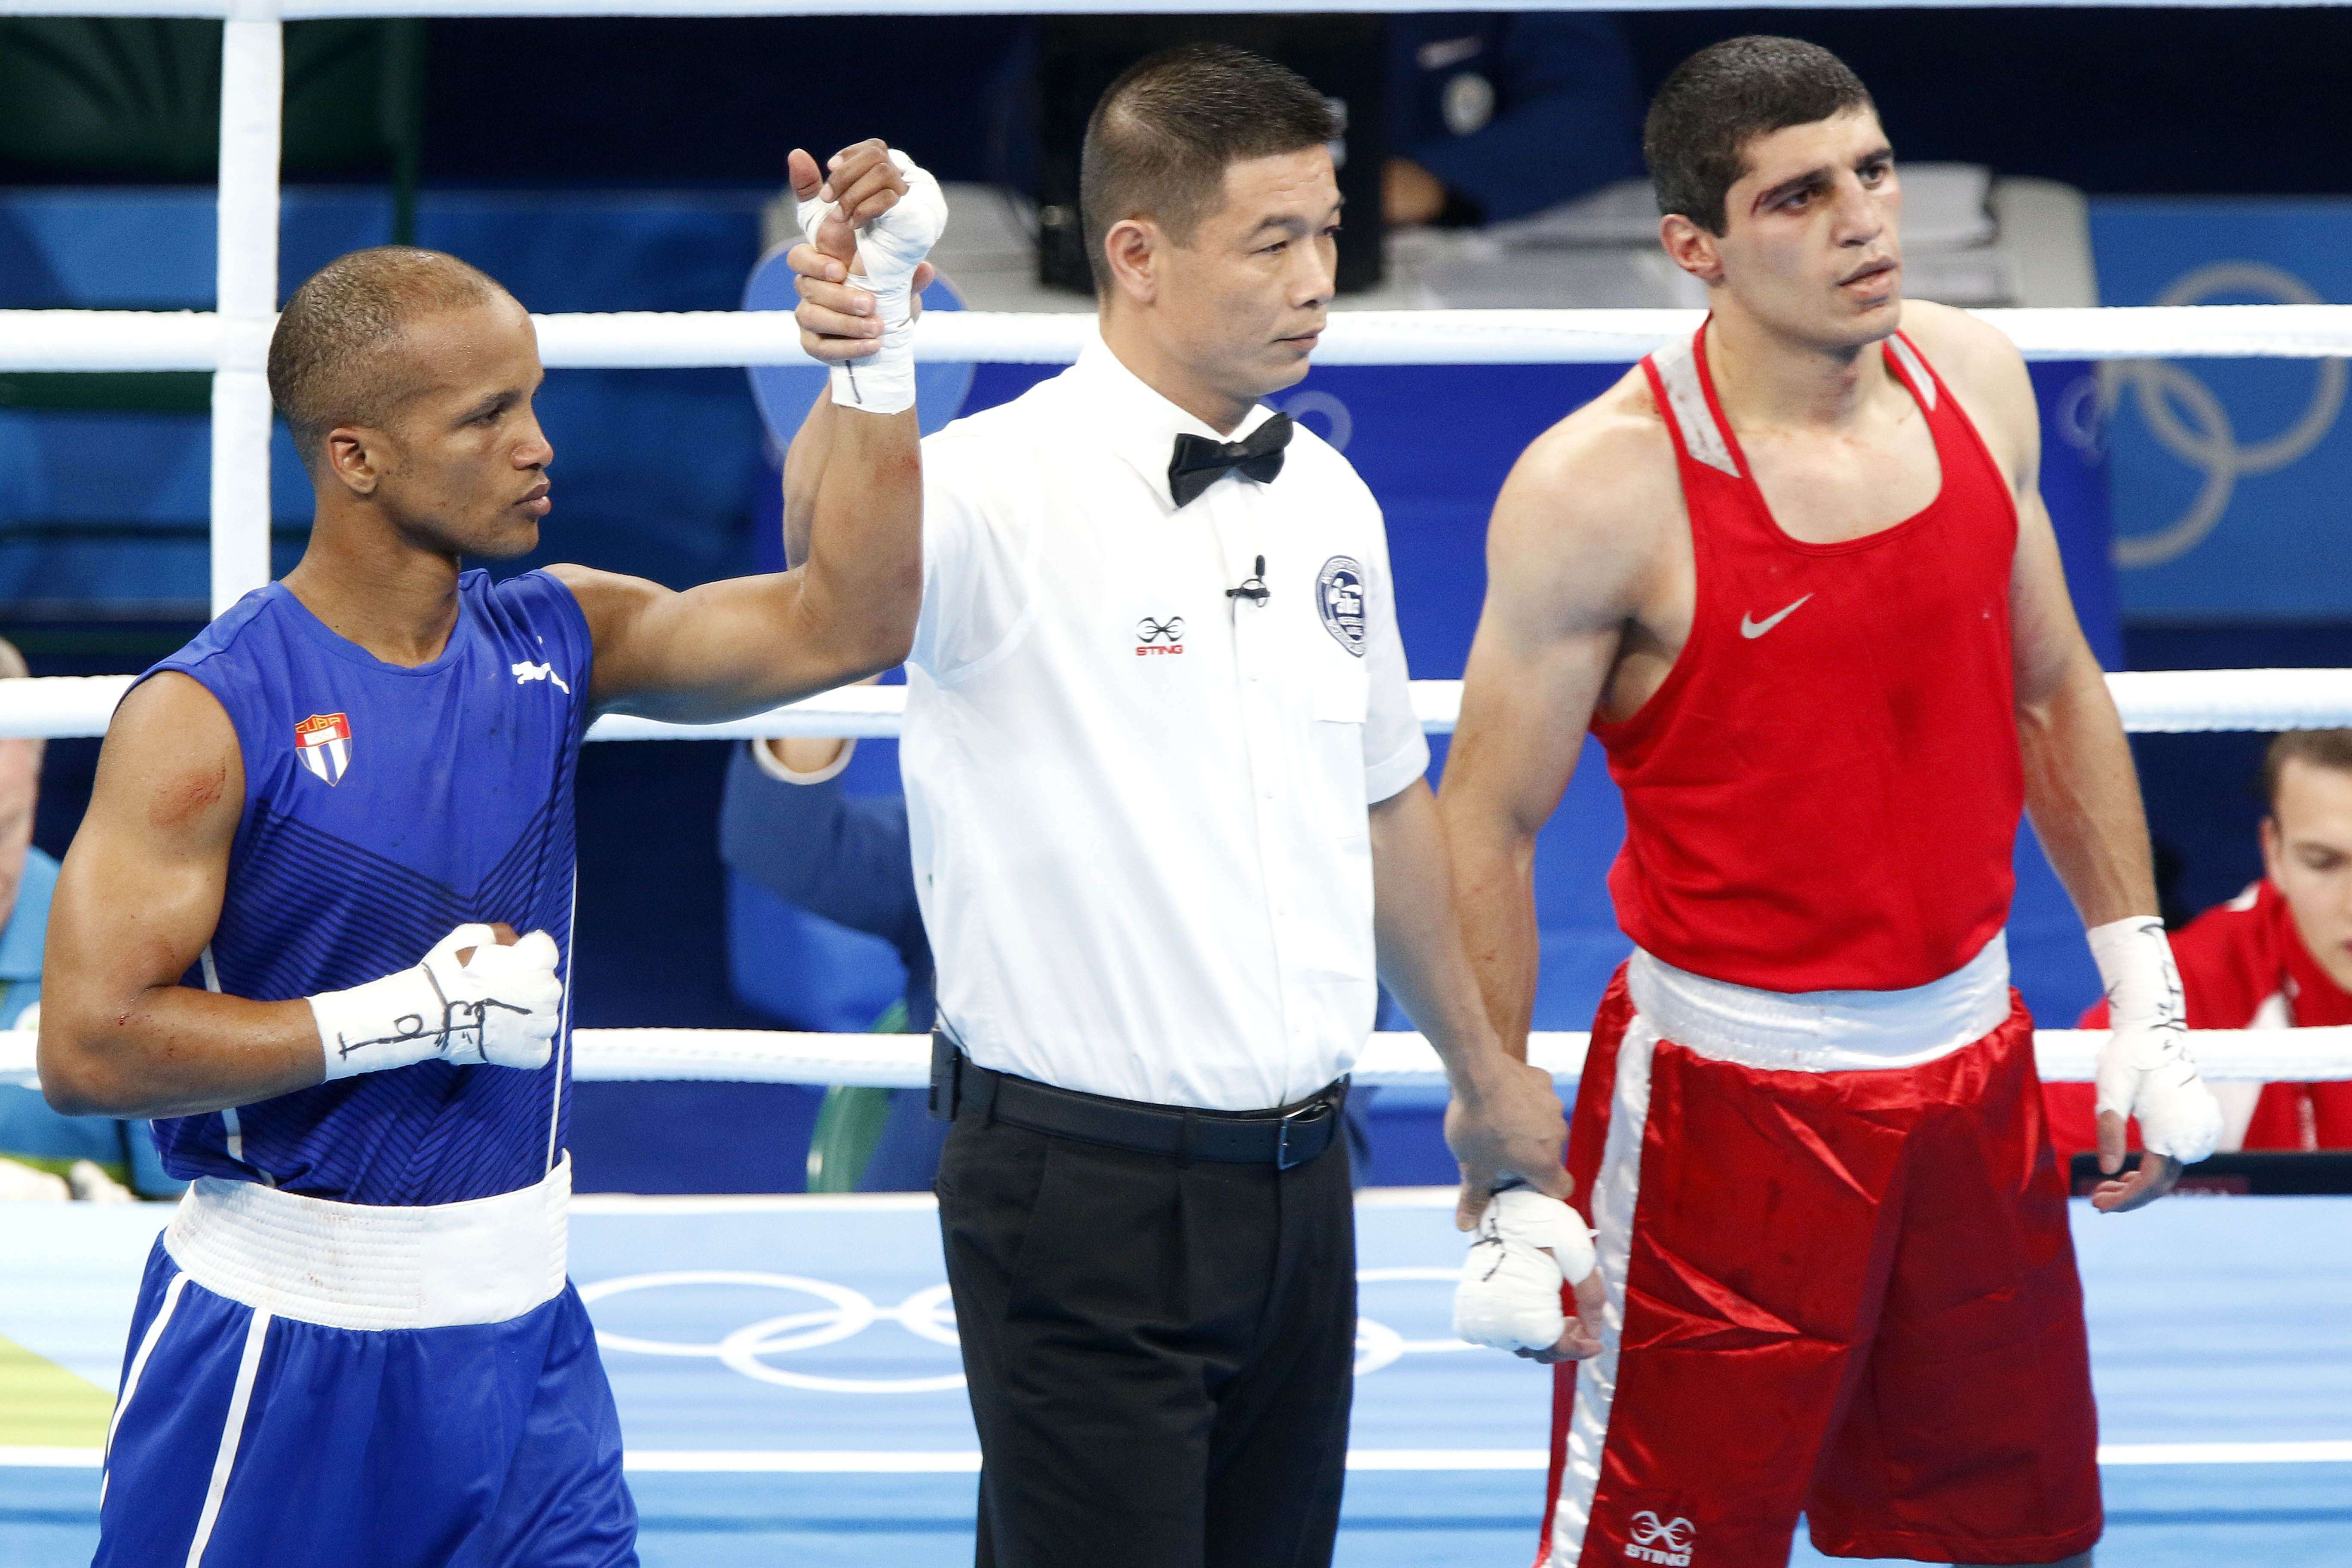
{"points": [[870, 218]]}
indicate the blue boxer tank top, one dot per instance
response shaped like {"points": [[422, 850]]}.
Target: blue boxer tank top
{"points": [[383, 806]]}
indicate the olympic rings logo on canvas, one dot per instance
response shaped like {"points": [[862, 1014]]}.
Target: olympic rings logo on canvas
{"points": [[842, 1314], [839, 1312]]}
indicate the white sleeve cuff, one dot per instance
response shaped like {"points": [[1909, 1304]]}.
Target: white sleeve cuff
{"points": [[773, 765], [1397, 771]]}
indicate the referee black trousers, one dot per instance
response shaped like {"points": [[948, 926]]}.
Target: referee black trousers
{"points": [[1160, 1352]]}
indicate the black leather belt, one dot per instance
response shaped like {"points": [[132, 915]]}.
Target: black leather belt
{"points": [[1287, 1137]]}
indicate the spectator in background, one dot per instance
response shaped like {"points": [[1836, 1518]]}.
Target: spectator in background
{"points": [[2279, 955], [42, 1153], [1491, 115], [787, 823], [1494, 116]]}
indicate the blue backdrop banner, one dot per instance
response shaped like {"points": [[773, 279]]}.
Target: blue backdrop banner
{"points": [[2228, 473]]}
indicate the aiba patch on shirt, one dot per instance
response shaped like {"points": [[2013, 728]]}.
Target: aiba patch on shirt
{"points": [[323, 743], [1339, 600]]}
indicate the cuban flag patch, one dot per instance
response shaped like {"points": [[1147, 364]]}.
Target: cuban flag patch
{"points": [[323, 743]]}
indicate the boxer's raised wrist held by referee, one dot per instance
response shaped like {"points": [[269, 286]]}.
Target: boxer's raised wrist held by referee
{"points": [[1164, 779]]}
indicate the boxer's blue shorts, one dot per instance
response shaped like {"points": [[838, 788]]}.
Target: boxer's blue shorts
{"points": [[283, 1443]]}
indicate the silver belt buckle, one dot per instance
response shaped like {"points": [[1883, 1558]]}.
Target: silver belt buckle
{"points": [[1306, 1115]]}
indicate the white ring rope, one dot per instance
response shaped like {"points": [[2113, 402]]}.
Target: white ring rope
{"points": [[2157, 701], [658, 339], [1390, 1060], [1394, 1060]]}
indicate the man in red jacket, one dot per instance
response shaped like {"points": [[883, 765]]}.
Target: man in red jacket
{"points": [[2277, 956]]}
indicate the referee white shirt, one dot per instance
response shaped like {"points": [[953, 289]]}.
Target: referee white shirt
{"points": [[1140, 807]]}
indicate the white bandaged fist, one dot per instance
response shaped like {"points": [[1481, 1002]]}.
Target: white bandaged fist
{"points": [[2146, 1069], [889, 248], [1527, 1248], [500, 1006]]}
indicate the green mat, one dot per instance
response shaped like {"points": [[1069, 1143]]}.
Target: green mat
{"points": [[43, 1405]]}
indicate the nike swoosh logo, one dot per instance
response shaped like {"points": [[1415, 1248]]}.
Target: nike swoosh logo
{"points": [[1750, 627]]}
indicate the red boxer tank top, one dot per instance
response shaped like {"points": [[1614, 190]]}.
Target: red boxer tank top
{"points": [[1824, 793]]}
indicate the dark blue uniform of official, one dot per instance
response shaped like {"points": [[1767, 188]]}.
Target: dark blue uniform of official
{"points": [[384, 806], [1512, 113]]}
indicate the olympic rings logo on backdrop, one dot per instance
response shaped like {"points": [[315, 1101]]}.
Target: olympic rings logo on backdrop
{"points": [[2185, 415], [837, 1312], [1334, 411]]}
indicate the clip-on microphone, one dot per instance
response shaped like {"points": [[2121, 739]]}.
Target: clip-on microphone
{"points": [[1254, 586]]}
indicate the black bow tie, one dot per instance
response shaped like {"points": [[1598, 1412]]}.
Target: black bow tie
{"points": [[1199, 461]]}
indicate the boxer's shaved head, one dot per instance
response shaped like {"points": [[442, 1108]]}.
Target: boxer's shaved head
{"points": [[333, 359], [1161, 140], [408, 379], [1723, 98]]}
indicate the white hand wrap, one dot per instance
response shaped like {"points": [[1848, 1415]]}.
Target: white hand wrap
{"points": [[889, 248], [2146, 1069], [500, 1006], [1527, 1248]]}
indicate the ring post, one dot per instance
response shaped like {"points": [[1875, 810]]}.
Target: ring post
{"points": [[253, 69]]}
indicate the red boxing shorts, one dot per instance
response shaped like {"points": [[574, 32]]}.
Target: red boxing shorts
{"points": [[1840, 1283]]}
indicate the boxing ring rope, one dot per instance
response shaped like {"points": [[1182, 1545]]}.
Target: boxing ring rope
{"points": [[2157, 701], [1390, 1060], [687, 339]]}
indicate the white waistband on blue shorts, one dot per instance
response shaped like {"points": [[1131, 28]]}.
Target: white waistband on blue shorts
{"points": [[366, 1266], [1823, 1031]]}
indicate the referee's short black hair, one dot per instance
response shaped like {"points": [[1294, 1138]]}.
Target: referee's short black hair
{"points": [[1159, 141], [1724, 97]]}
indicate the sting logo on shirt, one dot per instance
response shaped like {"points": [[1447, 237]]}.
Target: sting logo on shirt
{"points": [[1339, 600], [1158, 636], [323, 743]]}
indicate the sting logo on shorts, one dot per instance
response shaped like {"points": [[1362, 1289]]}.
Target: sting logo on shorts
{"points": [[1158, 636], [1339, 600], [1661, 1541], [323, 743]]}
